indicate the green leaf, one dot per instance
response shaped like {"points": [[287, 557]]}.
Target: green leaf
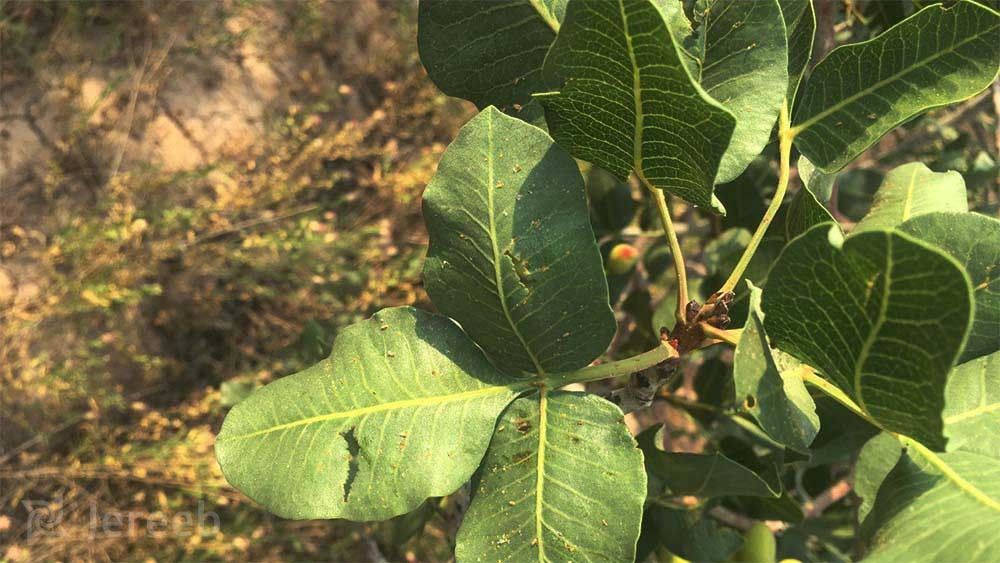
{"points": [[769, 387], [882, 316], [488, 53], [628, 103], [808, 207], [800, 28], [937, 507], [402, 410], [743, 54], [512, 253], [911, 190], [860, 92], [562, 480], [972, 406], [702, 475], [877, 458], [973, 240], [688, 533]]}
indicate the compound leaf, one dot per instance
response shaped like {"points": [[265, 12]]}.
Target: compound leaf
{"points": [[937, 507], [402, 410], [972, 406], [911, 190], [771, 390], [743, 53], [973, 240], [488, 53], [628, 103], [562, 480], [882, 316], [859, 92], [512, 254]]}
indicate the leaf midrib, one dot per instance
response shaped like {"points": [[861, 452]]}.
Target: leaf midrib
{"points": [[546, 16], [540, 470], [392, 405], [498, 275], [972, 413], [952, 475], [874, 87], [879, 321]]}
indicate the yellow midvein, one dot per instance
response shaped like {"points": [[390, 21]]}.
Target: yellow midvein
{"points": [[950, 473], [972, 413], [497, 274], [873, 335], [392, 405], [864, 92], [545, 14], [540, 469], [637, 98]]}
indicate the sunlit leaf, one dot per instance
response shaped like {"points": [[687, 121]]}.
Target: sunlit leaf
{"points": [[859, 92], [562, 481], [512, 253], [972, 406], [402, 410], [911, 190]]}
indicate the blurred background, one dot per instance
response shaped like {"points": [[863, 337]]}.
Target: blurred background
{"points": [[194, 196]]}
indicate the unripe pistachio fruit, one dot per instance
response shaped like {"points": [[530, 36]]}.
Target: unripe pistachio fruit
{"points": [[622, 259], [758, 545]]}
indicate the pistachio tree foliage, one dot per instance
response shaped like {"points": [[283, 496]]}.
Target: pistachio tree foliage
{"points": [[880, 343]]}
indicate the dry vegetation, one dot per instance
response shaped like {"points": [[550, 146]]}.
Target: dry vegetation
{"points": [[194, 196]]}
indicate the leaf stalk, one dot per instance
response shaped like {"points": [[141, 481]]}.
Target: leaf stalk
{"points": [[639, 362], [675, 249], [785, 136]]}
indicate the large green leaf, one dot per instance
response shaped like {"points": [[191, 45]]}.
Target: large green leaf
{"points": [[743, 54], [562, 481], [628, 103], [769, 387], [973, 240], [943, 507], [402, 410], [490, 53], [860, 92], [800, 29], [911, 190], [972, 406], [512, 253], [882, 316]]}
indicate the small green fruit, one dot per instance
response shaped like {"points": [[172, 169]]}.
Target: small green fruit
{"points": [[758, 545], [622, 259]]}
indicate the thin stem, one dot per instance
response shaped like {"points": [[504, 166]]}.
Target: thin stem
{"points": [[675, 249], [810, 377], [785, 136], [657, 355], [730, 336]]}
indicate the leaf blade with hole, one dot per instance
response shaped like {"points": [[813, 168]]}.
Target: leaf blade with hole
{"points": [[512, 255], [366, 455]]}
